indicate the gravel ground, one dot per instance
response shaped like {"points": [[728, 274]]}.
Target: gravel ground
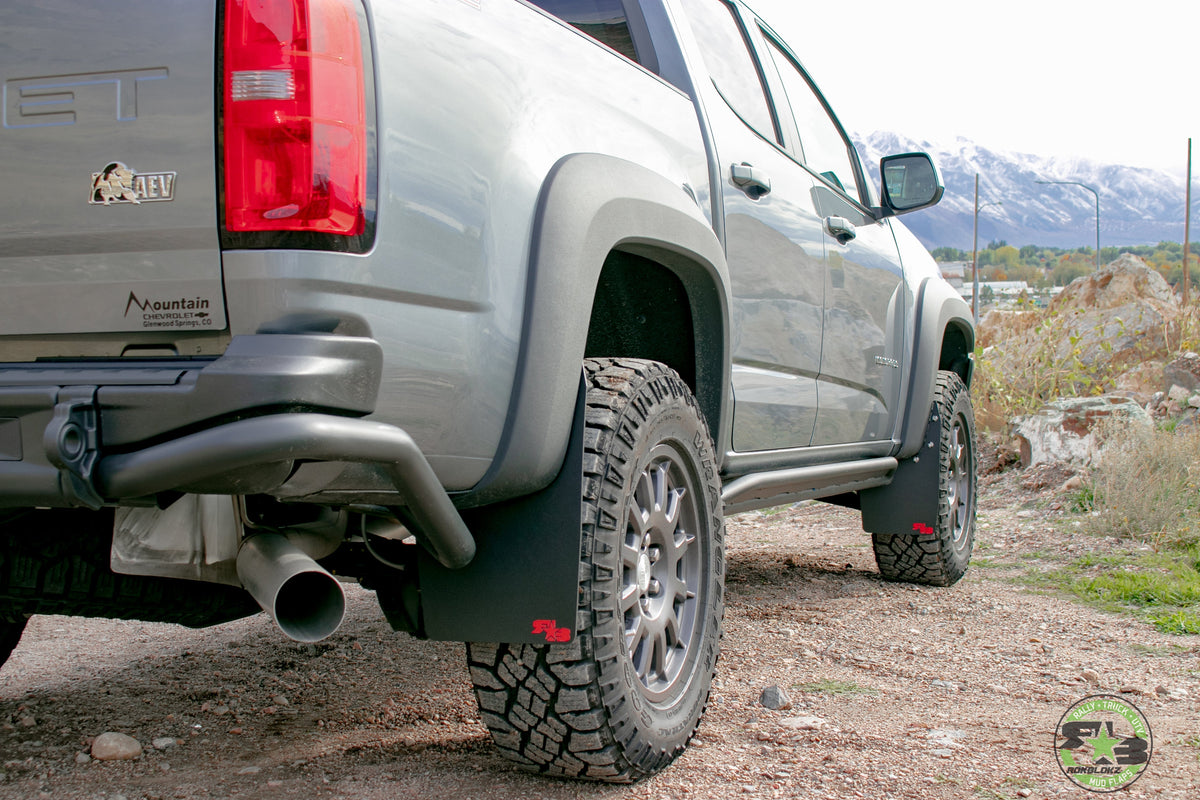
{"points": [[895, 691]]}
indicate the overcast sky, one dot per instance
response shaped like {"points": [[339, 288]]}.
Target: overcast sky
{"points": [[1113, 83]]}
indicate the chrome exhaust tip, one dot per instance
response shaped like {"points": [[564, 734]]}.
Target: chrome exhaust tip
{"points": [[306, 602]]}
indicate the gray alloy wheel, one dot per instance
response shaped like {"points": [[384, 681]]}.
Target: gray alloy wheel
{"points": [[661, 571], [621, 701]]}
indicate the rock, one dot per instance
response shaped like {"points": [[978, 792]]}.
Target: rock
{"points": [[1178, 394], [163, 742], [1044, 476], [1091, 676], [110, 746], [1102, 324], [249, 770], [775, 699], [26, 721], [803, 723], [82, 758], [1063, 431], [1183, 371], [1142, 380], [1171, 692], [1122, 281]]}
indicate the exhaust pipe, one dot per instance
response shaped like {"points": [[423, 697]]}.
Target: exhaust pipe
{"points": [[306, 602]]}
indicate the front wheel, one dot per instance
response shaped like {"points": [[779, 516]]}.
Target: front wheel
{"points": [[939, 557], [623, 699]]}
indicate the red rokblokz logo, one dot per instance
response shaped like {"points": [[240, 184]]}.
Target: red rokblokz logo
{"points": [[1103, 743]]}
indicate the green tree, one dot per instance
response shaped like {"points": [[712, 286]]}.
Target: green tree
{"points": [[1007, 256], [944, 254]]}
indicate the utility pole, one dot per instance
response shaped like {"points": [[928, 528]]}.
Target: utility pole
{"points": [[975, 255], [1187, 223]]}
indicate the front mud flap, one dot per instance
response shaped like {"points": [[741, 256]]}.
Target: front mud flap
{"points": [[523, 585], [909, 504]]}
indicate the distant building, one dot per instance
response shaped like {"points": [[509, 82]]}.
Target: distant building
{"points": [[1002, 294], [956, 272]]}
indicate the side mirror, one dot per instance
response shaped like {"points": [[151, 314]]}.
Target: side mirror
{"points": [[910, 182]]}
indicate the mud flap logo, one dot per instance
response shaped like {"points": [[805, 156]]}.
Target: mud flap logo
{"points": [[549, 628], [119, 184]]}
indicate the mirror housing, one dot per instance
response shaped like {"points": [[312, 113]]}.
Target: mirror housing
{"points": [[910, 182]]}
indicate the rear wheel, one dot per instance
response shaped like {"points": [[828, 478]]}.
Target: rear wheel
{"points": [[622, 700], [10, 635], [940, 558]]}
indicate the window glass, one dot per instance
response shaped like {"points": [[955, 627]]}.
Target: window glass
{"points": [[822, 147], [603, 20], [730, 64]]}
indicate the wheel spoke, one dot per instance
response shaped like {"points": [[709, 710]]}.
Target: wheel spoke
{"points": [[629, 596]]}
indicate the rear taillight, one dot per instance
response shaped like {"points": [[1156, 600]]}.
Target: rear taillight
{"points": [[294, 120]]}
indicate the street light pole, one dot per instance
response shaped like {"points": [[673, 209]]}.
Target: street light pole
{"points": [[1097, 194], [975, 252]]}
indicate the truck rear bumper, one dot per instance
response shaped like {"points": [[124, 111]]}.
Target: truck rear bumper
{"points": [[86, 434]]}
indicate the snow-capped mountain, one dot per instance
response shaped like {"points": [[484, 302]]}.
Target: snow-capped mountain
{"points": [[1137, 206]]}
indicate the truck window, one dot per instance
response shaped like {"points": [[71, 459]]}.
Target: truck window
{"points": [[823, 148], [603, 20], [730, 64]]}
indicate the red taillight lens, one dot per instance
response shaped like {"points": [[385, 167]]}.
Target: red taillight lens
{"points": [[295, 125]]}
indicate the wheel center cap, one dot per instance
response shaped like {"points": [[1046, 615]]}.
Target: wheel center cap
{"points": [[643, 573]]}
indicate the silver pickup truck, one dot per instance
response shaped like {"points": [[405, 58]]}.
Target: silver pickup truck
{"points": [[496, 307]]}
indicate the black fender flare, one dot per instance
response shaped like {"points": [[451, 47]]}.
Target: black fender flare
{"points": [[591, 204], [938, 309]]}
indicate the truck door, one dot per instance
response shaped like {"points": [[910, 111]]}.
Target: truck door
{"points": [[864, 304], [773, 241]]}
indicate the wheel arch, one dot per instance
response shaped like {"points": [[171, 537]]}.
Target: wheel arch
{"points": [[943, 339], [598, 215]]}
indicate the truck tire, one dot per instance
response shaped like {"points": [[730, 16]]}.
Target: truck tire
{"points": [[10, 635], [56, 561], [622, 700], [941, 558]]}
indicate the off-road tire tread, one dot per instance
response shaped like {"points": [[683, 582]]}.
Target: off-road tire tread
{"points": [[56, 562], [924, 559], [544, 703]]}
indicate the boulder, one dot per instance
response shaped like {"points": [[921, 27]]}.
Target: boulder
{"points": [[1142, 380], [1126, 280], [1183, 370], [1121, 315], [1063, 432]]}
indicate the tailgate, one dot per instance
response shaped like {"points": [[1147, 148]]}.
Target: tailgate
{"points": [[108, 150]]}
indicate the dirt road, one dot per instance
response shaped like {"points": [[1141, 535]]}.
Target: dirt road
{"points": [[896, 691]]}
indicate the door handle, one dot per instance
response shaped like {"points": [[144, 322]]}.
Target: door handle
{"points": [[751, 180], [840, 228]]}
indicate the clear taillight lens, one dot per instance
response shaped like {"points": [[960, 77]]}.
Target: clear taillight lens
{"points": [[294, 118]]}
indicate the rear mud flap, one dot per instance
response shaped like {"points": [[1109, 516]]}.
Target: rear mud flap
{"points": [[909, 504], [523, 585]]}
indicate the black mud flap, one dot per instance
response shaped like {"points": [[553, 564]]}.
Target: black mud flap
{"points": [[909, 504], [523, 585]]}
